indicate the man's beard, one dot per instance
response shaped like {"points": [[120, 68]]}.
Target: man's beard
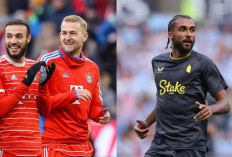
{"points": [[19, 55], [179, 45]]}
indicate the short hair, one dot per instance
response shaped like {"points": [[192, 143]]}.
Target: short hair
{"points": [[172, 24], [18, 22], [78, 19]]}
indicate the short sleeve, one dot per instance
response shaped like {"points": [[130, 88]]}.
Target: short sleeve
{"points": [[212, 78]]}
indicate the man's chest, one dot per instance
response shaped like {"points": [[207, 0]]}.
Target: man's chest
{"points": [[13, 76], [66, 79], [176, 78]]}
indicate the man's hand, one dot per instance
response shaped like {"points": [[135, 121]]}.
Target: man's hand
{"points": [[31, 72], [83, 94], [141, 129], [46, 73], [205, 112], [106, 117]]}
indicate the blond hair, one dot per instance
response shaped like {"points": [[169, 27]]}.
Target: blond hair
{"points": [[78, 19]]}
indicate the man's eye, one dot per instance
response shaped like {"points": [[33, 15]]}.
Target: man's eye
{"points": [[19, 37], [182, 29]]}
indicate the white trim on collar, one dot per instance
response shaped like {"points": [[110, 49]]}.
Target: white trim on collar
{"points": [[14, 63]]}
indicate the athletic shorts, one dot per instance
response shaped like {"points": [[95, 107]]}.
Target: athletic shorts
{"points": [[47, 152], [4, 154], [66, 151], [174, 153]]}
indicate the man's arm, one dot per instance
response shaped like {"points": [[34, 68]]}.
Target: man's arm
{"points": [[142, 128], [106, 117], [47, 103], [222, 106], [8, 102], [96, 108], [97, 113]]}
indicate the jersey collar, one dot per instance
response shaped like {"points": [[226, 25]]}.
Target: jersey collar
{"points": [[71, 60], [14, 63], [170, 54]]}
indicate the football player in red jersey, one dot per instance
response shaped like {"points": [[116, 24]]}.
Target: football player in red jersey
{"points": [[72, 95], [19, 116]]}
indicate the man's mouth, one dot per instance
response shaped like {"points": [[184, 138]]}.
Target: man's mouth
{"points": [[187, 42], [68, 44], [14, 46]]}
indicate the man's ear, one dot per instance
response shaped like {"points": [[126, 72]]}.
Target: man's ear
{"points": [[170, 35], [86, 34], [28, 38]]}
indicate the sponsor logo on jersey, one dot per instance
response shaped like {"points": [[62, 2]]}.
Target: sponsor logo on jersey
{"points": [[89, 77], [160, 70], [76, 87], [65, 74], [188, 70], [13, 77], [171, 89]]}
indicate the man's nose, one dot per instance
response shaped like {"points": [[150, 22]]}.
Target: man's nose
{"points": [[68, 36], [188, 33], [13, 40]]}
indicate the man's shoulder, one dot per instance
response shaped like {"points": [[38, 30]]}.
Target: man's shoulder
{"points": [[201, 57], [2, 59], [27, 60], [49, 56], [91, 63], [161, 57]]}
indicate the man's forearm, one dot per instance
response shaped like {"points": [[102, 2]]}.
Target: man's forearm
{"points": [[151, 118], [222, 106]]}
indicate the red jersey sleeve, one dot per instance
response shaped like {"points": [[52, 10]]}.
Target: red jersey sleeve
{"points": [[8, 102], [96, 108], [47, 103]]}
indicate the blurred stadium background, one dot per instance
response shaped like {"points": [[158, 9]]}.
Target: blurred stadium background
{"points": [[44, 18], [141, 35]]}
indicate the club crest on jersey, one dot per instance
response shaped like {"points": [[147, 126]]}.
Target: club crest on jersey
{"points": [[188, 70], [89, 77]]}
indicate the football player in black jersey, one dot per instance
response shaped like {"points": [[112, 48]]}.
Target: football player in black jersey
{"points": [[183, 77]]}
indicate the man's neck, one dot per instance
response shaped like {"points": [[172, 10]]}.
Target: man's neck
{"points": [[20, 60], [177, 55], [76, 53]]}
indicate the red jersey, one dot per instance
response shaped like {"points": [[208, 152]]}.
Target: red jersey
{"points": [[19, 117], [66, 121]]}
